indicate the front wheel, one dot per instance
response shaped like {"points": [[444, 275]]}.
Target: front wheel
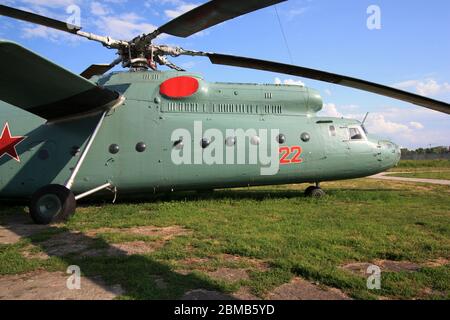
{"points": [[52, 203], [314, 192]]}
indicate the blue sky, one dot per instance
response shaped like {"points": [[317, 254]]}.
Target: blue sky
{"points": [[411, 50]]}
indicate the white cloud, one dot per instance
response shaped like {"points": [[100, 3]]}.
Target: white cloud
{"points": [[99, 9], [50, 3], [428, 87], [416, 125], [124, 27], [330, 110], [179, 10], [379, 124], [291, 82]]}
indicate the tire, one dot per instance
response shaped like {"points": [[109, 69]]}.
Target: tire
{"points": [[309, 190], [52, 203], [317, 193]]}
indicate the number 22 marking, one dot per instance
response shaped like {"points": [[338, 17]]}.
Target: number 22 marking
{"points": [[285, 152]]}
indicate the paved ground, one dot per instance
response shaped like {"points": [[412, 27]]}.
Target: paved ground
{"points": [[387, 176], [44, 285]]}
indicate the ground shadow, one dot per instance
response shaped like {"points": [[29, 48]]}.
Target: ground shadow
{"points": [[140, 276], [223, 194]]}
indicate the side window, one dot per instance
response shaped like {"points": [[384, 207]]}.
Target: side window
{"points": [[332, 131], [355, 134]]}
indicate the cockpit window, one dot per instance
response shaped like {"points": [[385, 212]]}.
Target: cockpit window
{"points": [[355, 134]]}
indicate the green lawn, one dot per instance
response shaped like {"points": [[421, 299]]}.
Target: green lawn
{"points": [[442, 175], [359, 221], [422, 165]]}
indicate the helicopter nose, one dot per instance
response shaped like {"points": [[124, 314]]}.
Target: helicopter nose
{"points": [[390, 154]]}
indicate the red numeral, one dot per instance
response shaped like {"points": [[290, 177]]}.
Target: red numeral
{"points": [[298, 152], [285, 152]]}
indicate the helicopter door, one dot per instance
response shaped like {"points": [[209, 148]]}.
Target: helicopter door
{"points": [[335, 145], [335, 139]]}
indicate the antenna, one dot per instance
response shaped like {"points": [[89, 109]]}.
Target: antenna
{"points": [[365, 118]]}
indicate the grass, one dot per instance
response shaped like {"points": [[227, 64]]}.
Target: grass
{"points": [[423, 165], [441, 175], [360, 220]]}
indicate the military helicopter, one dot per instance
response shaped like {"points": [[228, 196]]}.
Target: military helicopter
{"points": [[65, 136]]}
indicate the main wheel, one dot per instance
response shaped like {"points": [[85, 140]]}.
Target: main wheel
{"points": [[317, 193], [52, 203], [309, 190]]}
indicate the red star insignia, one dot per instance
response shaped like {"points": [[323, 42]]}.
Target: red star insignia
{"points": [[8, 143]]}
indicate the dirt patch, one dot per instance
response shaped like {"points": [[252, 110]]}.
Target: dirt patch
{"points": [[299, 289], [255, 263], [165, 233], [18, 227], [397, 266], [52, 286], [67, 243], [439, 262], [86, 244], [201, 294], [393, 266], [125, 249], [229, 275], [361, 268], [34, 252]]}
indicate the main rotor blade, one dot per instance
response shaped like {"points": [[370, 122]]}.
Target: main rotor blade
{"points": [[59, 25], [331, 78], [38, 19], [210, 14]]}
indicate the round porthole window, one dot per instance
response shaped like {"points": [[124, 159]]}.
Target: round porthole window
{"points": [[255, 140], [141, 147], [205, 143], [305, 137], [230, 141], [114, 149], [281, 138], [179, 144], [43, 154]]}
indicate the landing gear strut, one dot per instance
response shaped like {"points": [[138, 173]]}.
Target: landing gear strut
{"points": [[57, 203], [315, 191]]}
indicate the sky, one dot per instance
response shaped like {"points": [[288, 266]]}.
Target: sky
{"points": [[402, 43]]}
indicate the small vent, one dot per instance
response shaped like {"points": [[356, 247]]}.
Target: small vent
{"points": [[183, 107], [233, 108], [273, 109], [268, 95]]}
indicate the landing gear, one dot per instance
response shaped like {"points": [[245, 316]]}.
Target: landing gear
{"points": [[56, 203], [52, 203], [315, 191]]}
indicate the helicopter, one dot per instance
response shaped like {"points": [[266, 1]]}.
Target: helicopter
{"points": [[65, 137]]}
